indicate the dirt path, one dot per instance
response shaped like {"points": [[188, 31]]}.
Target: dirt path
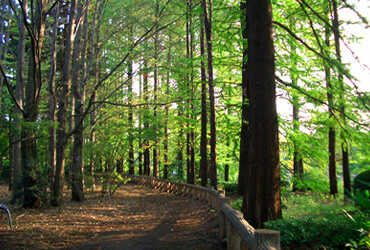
{"points": [[135, 217]]}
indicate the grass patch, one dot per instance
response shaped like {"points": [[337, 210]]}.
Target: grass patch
{"points": [[319, 222], [314, 221]]}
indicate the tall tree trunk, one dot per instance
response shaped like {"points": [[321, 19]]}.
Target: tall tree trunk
{"points": [[78, 91], [11, 162], [32, 192], [297, 157], [203, 139], [19, 92], [261, 200], [93, 159], [165, 146], [141, 144], [343, 132], [52, 95], [95, 45], [207, 10], [71, 124], [155, 82], [180, 147], [331, 146], [131, 161], [130, 76], [190, 136], [119, 165], [243, 155], [62, 136], [146, 125], [4, 30]]}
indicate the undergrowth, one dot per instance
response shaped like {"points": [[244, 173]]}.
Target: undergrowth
{"points": [[320, 222], [314, 221]]}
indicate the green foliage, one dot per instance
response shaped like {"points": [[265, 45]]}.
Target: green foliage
{"points": [[318, 221], [230, 188], [313, 181], [237, 204], [362, 181], [364, 241], [111, 182], [332, 230], [362, 199]]}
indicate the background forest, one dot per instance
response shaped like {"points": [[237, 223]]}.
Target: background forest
{"points": [[95, 88]]}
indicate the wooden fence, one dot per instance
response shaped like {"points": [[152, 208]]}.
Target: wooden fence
{"points": [[234, 229]]}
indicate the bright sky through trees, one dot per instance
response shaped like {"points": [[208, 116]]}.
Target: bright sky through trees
{"points": [[359, 68]]}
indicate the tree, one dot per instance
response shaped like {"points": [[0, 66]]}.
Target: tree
{"points": [[19, 92], [243, 156], [297, 154], [32, 195], [78, 92], [203, 141], [190, 136], [52, 95], [62, 137], [343, 135], [332, 132], [261, 200], [130, 76], [207, 10]]}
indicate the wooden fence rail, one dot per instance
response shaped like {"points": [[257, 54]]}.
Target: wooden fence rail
{"points": [[234, 229]]}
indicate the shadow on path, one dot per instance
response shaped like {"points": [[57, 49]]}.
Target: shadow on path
{"points": [[150, 219]]}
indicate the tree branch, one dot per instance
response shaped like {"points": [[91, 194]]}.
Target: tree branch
{"points": [[10, 90]]}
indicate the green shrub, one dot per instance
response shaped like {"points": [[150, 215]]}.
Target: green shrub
{"points": [[231, 188], [334, 230], [362, 200], [364, 241], [362, 181], [314, 182], [237, 204]]}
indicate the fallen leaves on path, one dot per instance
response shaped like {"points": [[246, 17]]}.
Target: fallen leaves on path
{"points": [[135, 217]]}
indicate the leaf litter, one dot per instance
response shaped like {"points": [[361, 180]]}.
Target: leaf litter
{"points": [[135, 217]]}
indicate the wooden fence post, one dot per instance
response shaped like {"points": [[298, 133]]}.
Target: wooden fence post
{"points": [[233, 238], [266, 239]]}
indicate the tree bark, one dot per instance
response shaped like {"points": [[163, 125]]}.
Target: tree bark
{"points": [[155, 82], [32, 191], [165, 146], [146, 125], [261, 200], [130, 76], [78, 91], [331, 135], [52, 95], [343, 132], [119, 165], [207, 10], [203, 139], [141, 132], [297, 156], [243, 155], [180, 147], [19, 93], [62, 136], [4, 30], [190, 136]]}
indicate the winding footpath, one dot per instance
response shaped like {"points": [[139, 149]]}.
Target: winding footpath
{"points": [[135, 217]]}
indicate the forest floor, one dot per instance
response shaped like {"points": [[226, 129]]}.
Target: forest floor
{"points": [[135, 217]]}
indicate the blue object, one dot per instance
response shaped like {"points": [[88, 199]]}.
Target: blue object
{"points": [[3, 207]]}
